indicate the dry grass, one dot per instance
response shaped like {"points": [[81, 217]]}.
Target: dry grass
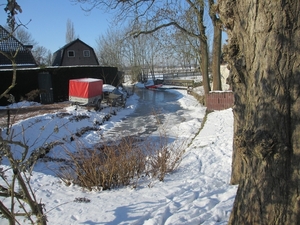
{"points": [[163, 158]]}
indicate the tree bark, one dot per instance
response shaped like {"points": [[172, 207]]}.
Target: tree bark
{"points": [[204, 65], [216, 58], [263, 53], [203, 51], [217, 45]]}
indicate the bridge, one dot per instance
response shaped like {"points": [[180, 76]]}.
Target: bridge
{"points": [[186, 79]]}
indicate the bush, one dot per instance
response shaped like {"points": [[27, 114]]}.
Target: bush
{"points": [[164, 159], [103, 167], [122, 164]]}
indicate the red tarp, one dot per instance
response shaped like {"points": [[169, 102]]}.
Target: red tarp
{"points": [[85, 87]]}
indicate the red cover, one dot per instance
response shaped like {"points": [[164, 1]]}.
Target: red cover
{"points": [[85, 87]]}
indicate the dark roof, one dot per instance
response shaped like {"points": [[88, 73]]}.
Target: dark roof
{"points": [[10, 45], [58, 55]]}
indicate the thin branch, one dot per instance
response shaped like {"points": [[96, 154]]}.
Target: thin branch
{"points": [[14, 76], [138, 33], [7, 214]]}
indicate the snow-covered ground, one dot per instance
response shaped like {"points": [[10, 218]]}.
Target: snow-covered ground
{"points": [[198, 192]]}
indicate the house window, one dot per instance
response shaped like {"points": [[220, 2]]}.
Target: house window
{"points": [[86, 53], [71, 53]]}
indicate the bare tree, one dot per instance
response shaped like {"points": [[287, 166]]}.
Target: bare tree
{"points": [[135, 56], [42, 56], [172, 14], [70, 33], [22, 35], [186, 50], [16, 187], [263, 54], [155, 15], [140, 55], [12, 8], [110, 47]]}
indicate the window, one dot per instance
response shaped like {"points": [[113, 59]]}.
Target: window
{"points": [[86, 53], [71, 53]]}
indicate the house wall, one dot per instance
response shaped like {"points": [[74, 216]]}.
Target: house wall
{"points": [[219, 100], [79, 58]]}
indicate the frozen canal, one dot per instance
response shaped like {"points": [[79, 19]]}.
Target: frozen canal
{"points": [[153, 109]]}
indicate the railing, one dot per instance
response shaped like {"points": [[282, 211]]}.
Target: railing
{"points": [[185, 79], [181, 75], [171, 76], [179, 82]]}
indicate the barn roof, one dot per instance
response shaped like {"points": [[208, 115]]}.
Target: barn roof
{"points": [[58, 55]]}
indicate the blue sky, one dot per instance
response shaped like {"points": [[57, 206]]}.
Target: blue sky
{"points": [[49, 19]]}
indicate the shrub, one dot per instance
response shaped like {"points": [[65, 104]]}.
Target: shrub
{"points": [[163, 158], [104, 167], [122, 164]]}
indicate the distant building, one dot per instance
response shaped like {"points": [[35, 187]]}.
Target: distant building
{"points": [[9, 46], [75, 53]]}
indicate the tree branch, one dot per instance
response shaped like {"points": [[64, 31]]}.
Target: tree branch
{"points": [[7, 214], [138, 33], [14, 76]]}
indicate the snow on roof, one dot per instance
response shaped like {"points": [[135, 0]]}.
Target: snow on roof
{"points": [[87, 79], [108, 88]]}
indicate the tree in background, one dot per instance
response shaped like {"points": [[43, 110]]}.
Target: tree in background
{"points": [[70, 32], [185, 49], [155, 15], [119, 49], [23, 36], [146, 52], [110, 48], [42, 55], [188, 18], [264, 59], [217, 45]]}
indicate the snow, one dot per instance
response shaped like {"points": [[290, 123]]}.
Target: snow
{"points": [[224, 75], [87, 80], [20, 105], [108, 88], [198, 192]]}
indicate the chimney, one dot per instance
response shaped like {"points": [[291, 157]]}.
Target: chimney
{"points": [[28, 47]]}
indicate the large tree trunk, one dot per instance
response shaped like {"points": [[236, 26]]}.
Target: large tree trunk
{"points": [[263, 53]]}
